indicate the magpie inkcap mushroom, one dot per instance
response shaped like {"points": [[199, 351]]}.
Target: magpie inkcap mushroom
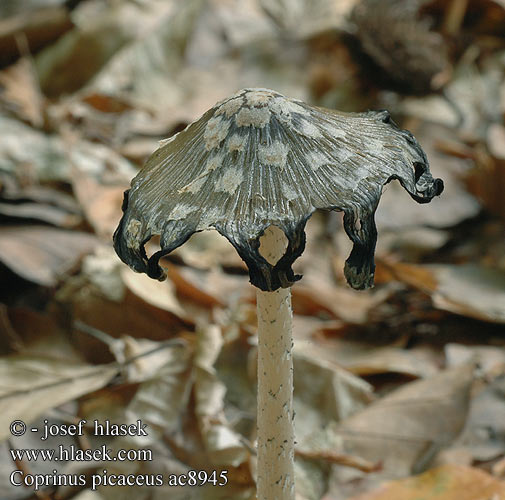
{"points": [[259, 159]]}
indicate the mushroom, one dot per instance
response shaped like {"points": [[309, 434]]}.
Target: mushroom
{"points": [[255, 167]]}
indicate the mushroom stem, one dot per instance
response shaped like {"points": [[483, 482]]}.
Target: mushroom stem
{"points": [[275, 469]]}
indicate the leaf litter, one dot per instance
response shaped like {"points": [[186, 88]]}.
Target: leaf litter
{"points": [[385, 384]]}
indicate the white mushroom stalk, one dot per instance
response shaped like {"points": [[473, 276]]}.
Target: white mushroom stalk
{"points": [[276, 433], [260, 160]]}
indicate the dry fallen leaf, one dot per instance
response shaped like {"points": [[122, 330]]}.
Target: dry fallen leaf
{"points": [[100, 202], [484, 435], [33, 384], [324, 392], [486, 180], [365, 359], [160, 294], [42, 254], [222, 443], [349, 305], [490, 359], [41, 213], [40, 26], [101, 30], [101, 298], [304, 19], [404, 429], [496, 140], [34, 202], [449, 482], [31, 332], [20, 92], [143, 70], [469, 290]]}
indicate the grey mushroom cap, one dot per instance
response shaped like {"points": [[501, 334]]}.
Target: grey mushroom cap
{"points": [[259, 159]]}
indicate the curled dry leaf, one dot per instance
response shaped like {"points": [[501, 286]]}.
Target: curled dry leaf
{"points": [[404, 429], [364, 359], [101, 31], [223, 445], [484, 436], [469, 290], [42, 254], [40, 27], [20, 92], [25, 199], [100, 202], [156, 293], [324, 392], [449, 482], [145, 71], [352, 307], [33, 384], [305, 19], [402, 45], [100, 298]]}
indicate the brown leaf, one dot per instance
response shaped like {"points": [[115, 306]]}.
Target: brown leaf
{"points": [[301, 19], [106, 103], [324, 393], [469, 290], [21, 92], [157, 293], [484, 435], [496, 140], [339, 459], [24, 198], [100, 34], [35, 333], [101, 202], [101, 299], [349, 305], [221, 442], [42, 254], [33, 384], [449, 482], [487, 182], [40, 212], [405, 428], [40, 26], [190, 286]]}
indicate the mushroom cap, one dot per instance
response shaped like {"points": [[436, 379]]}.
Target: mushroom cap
{"points": [[259, 159]]}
